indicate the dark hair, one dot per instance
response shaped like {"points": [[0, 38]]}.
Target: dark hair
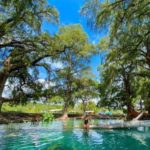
{"points": [[86, 116]]}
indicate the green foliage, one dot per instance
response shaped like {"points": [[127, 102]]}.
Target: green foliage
{"points": [[31, 108], [47, 117], [56, 100], [74, 38], [79, 107], [28, 50], [45, 109], [92, 106], [103, 45], [126, 71], [125, 75], [74, 60], [86, 91], [18, 15], [24, 47]]}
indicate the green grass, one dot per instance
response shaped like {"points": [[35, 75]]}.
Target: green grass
{"points": [[40, 108], [30, 108]]}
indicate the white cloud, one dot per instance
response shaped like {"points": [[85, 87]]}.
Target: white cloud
{"points": [[57, 65], [7, 93], [53, 64], [46, 84]]}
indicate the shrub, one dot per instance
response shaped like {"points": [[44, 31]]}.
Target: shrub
{"points": [[47, 117]]}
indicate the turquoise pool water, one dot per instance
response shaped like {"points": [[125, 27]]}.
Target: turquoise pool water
{"points": [[67, 135]]}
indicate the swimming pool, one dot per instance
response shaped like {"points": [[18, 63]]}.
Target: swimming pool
{"points": [[67, 135]]}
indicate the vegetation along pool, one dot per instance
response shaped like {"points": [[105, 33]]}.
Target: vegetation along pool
{"points": [[68, 135]]}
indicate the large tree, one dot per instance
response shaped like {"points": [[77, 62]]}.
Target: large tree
{"points": [[128, 23], [118, 85], [87, 91], [74, 61], [23, 46], [129, 34]]}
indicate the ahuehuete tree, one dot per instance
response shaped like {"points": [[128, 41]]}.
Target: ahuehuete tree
{"points": [[118, 86], [23, 47], [74, 61], [129, 34], [87, 90], [143, 93]]}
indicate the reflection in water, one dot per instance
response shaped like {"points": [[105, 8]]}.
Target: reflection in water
{"points": [[68, 135], [86, 133]]}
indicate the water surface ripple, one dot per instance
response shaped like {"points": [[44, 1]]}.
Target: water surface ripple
{"points": [[68, 135]]}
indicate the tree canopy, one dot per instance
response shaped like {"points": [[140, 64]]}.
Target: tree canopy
{"points": [[126, 68], [23, 46], [74, 60], [25, 50]]}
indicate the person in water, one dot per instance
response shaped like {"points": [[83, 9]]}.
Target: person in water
{"points": [[86, 122]]}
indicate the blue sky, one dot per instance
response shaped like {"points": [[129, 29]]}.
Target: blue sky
{"points": [[69, 11]]}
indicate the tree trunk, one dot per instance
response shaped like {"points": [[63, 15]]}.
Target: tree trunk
{"points": [[1, 103], [131, 113], [68, 93], [130, 110], [84, 106], [3, 78], [65, 112], [147, 44], [148, 59], [149, 111]]}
